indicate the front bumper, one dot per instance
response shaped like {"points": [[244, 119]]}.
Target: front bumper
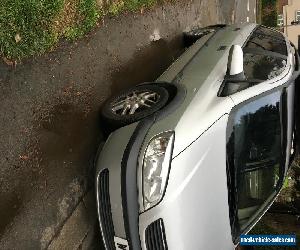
{"points": [[116, 185], [117, 193], [193, 203], [110, 159]]}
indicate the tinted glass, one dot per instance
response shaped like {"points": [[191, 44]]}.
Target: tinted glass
{"points": [[266, 39], [257, 154], [262, 67], [265, 57]]}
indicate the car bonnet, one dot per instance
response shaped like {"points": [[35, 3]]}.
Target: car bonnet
{"points": [[202, 77]]}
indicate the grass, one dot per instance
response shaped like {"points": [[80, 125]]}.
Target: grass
{"points": [[263, 227], [88, 10], [282, 223], [129, 5], [30, 21], [32, 27]]}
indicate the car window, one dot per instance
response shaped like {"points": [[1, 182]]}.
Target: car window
{"points": [[256, 158], [257, 68], [267, 39], [262, 67], [265, 57]]}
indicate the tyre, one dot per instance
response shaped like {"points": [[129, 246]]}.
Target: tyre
{"points": [[133, 105], [190, 37]]}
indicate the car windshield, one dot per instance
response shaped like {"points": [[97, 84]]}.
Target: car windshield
{"points": [[262, 67], [265, 54], [264, 58], [268, 40], [256, 156]]}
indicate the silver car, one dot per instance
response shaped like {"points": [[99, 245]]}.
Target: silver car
{"points": [[194, 160]]}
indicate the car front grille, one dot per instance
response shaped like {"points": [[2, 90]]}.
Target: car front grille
{"points": [[105, 210], [155, 236]]}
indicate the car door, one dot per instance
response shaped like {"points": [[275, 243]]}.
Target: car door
{"points": [[259, 129], [267, 64], [256, 157]]}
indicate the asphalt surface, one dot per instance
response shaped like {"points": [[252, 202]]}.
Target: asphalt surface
{"points": [[245, 11], [49, 127]]}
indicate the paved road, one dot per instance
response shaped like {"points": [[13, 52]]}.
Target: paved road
{"points": [[49, 128], [245, 11]]}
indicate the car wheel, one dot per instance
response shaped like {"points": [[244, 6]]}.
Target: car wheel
{"points": [[190, 37], [134, 104]]}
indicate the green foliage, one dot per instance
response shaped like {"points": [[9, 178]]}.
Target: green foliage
{"points": [[269, 13], [270, 19], [286, 183], [26, 26], [117, 7], [31, 21], [90, 14], [32, 27], [269, 2], [133, 5]]}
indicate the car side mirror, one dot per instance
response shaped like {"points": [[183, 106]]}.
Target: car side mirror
{"points": [[234, 79], [235, 68]]}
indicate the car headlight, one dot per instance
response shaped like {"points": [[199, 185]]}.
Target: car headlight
{"points": [[156, 165]]}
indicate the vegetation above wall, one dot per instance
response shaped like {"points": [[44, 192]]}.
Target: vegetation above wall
{"points": [[269, 12]]}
